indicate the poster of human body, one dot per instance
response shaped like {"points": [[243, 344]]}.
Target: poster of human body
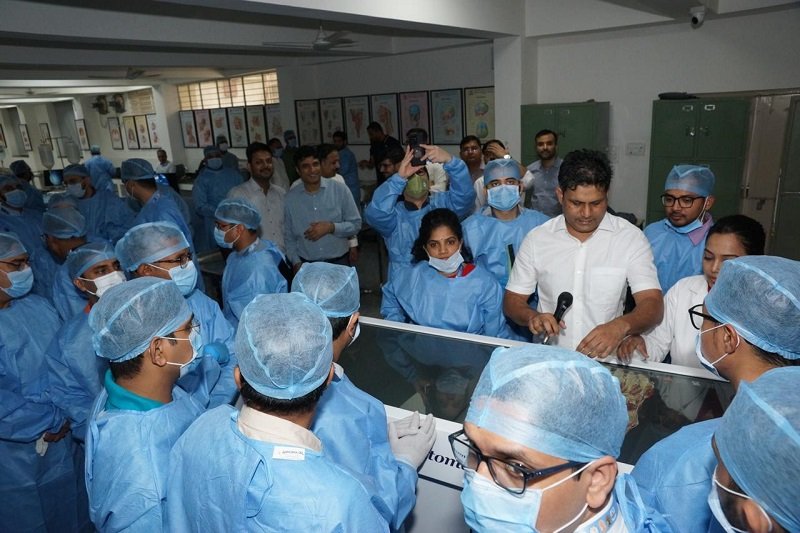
{"points": [[142, 132], [205, 136], [115, 133], [479, 112], [414, 111], [129, 126], [238, 125], [83, 136], [447, 120], [274, 121], [219, 124], [307, 113], [356, 118], [26, 139], [384, 112], [255, 123], [330, 110], [152, 126], [188, 131]]}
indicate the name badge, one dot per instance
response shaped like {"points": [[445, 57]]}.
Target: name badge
{"points": [[289, 453]]}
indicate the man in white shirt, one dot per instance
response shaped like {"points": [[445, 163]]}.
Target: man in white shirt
{"points": [[593, 255], [164, 166], [262, 194]]}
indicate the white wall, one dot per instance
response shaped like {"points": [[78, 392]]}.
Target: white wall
{"points": [[631, 67]]}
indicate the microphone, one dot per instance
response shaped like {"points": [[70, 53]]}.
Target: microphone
{"points": [[564, 302]]}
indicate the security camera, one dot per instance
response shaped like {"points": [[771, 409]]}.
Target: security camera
{"points": [[698, 15]]}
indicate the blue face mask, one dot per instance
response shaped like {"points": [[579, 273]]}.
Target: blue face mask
{"points": [[219, 238], [691, 226], [197, 344], [698, 350], [21, 282], [449, 265], [76, 190], [184, 277], [277, 152], [503, 197], [16, 198], [215, 163], [716, 507]]}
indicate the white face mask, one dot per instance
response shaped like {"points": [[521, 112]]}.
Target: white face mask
{"points": [[356, 333], [105, 282], [716, 507], [698, 350], [197, 344], [449, 265]]}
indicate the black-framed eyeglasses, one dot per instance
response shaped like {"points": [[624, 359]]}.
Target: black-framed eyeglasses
{"points": [[510, 476], [697, 316], [667, 200], [193, 325], [182, 260], [17, 265]]}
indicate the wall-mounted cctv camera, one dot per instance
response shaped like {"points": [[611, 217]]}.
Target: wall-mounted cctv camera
{"points": [[698, 15]]}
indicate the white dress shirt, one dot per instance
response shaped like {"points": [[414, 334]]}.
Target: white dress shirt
{"points": [[270, 206], [596, 272]]}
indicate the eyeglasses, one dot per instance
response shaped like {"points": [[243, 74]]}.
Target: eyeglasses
{"points": [[510, 476], [194, 325], [471, 149], [667, 200], [18, 265], [182, 260], [697, 316]]}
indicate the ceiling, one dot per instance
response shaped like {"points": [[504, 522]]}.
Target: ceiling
{"points": [[51, 49]]}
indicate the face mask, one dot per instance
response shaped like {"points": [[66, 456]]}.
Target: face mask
{"points": [[698, 350], [215, 163], [219, 237], [449, 265], [356, 334], [691, 226], [452, 382], [21, 282], [719, 514], [291, 143], [503, 197], [76, 190], [224, 147], [197, 344], [417, 186], [184, 277], [277, 152], [16, 198], [489, 507], [103, 283]]}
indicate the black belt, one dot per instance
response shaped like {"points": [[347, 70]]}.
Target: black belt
{"points": [[341, 260]]}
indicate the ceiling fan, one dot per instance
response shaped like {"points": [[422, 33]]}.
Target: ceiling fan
{"points": [[321, 43], [130, 74]]}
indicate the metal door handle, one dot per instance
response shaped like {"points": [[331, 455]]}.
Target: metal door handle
{"points": [[690, 131]]}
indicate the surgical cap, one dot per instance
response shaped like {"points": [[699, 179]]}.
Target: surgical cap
{"points": [[332, 287], [94, 149], [61, 199], [19, 167], [499, 169], [552, 400], [9, 178], [149, 242], [11, 246], [211, 149], [758, 440], [76, 170], [691, 178], [136, 169], [238, 212], [284, 345], [760, 297], [85, 257], [63, 223], [130, 315]]}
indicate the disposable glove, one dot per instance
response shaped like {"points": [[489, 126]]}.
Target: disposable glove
{"points": [[410, 440]]}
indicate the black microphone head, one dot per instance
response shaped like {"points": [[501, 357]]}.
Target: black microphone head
{"points": [[564, 300]]}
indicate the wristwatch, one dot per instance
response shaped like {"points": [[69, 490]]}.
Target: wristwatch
{"points": [[507, 156]]}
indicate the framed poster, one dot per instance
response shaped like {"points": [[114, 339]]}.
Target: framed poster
{"points": [[256, 129], [356, 118], [219, 124], [142, 131], [308, 128], [44, 130], [238, 127], [447, 118], [83, 136], [205, 137], [414, 112], [152, 129], [330, 112], [26, 139], [129, 127], [115, 133], [188, 131], [274, 121], [479, 112], [3, 142], [384, 112]]}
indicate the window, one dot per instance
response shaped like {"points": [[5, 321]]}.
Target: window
{"points": [[254, 89]]}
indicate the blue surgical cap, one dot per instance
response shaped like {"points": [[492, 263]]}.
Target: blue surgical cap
{"points": [[284, 345], [11, 246], [136, 169], [63, 223], [759, 296], [94, 149], [758, 440], [19, 167], [61, 199], [691, 178], [9, 178], [130, 315], [332, 287], [149, 242], [238, 211], [76, 170], [552, 400], [211, 149], [499, 169], [85, 257]]}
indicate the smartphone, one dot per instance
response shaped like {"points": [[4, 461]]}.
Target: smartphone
{"points": [[417, 151]]}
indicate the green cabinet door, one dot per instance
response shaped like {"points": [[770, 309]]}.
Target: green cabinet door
{"points": [[535, 118], [786, 240], [659, 168], [576, 127], [674, 128], [722, 128], [727, 186]]}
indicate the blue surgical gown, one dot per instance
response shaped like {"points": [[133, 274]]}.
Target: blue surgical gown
{"points": [[675, 254], [353, 429], [210, 188], [107, 216], [221, 480], [249, 273], [101, 171], [398, 222], [639, 517], [76, 372], [27, 225], [37, 493], [470, 304], [35, 198], [675, 476], [67, 299], [127, 454]]}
